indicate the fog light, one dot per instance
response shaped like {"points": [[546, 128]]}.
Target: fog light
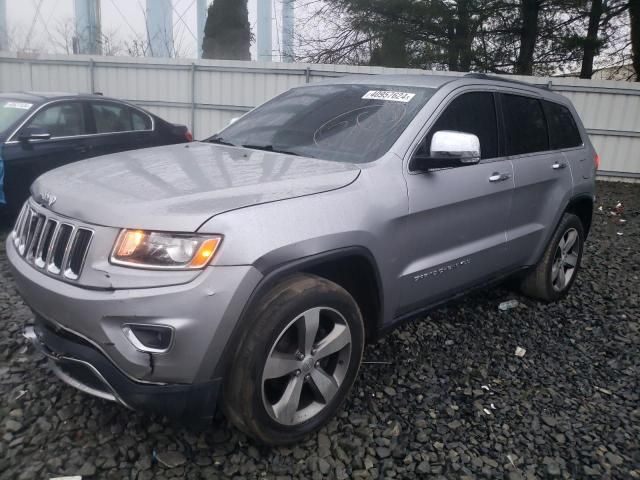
{"points": [[149, 338]]}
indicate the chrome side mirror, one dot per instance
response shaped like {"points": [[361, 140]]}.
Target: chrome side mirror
{"points": [[449, 149], [462, 146]]}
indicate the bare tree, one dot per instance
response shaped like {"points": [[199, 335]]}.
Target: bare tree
{"points": [[634, 14]]}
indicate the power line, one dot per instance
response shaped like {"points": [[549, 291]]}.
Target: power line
{"points": [[181, 18], [33, 23], [44, 24], [124, 18]]}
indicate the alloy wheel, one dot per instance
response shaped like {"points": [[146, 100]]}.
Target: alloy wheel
{"points": [[306, 366], [565, 260]]}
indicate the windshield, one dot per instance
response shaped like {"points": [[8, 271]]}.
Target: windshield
{"points": [[347, 123], [11, 110]]}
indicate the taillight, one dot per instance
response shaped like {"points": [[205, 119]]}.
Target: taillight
{"points": [[188, 136], [596, 160]]}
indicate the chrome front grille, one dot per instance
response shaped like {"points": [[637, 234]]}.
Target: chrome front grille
{"points": [[50, 244]]}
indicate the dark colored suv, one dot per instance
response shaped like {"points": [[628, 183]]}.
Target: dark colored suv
{"points": [[42, 131]]}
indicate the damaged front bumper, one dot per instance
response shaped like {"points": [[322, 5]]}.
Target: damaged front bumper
{"points": [[87, 339], [77, 363]]}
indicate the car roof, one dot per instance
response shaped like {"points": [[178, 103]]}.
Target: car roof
{"points": [[437, 81], [41, 97], [407, 80]]}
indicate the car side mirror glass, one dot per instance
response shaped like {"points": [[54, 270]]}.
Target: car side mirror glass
{"points": [[34, 133], [449, 149]]}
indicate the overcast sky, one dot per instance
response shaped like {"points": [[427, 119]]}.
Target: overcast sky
{"points": [[121, 19]]}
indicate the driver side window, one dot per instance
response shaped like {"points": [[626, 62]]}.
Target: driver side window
{"points": [[473, 112], [64, 119]]}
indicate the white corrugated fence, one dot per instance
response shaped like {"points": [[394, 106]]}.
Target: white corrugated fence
{"points": [[206, 95]]}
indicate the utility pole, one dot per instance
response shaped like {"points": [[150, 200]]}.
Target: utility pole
{"points": [[160, 28], [265, 48], [88, 38], [288, 29]]}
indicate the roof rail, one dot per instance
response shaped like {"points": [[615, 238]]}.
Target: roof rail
{"points": [[496, 78]]}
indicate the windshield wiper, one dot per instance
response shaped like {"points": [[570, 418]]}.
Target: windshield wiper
{"points": [[269, 148], [221, 141]]}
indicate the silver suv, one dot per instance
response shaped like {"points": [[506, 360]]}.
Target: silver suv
{"points": [[249, 270]]}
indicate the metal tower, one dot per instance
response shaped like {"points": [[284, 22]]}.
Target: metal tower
{"points": [[88, 39], [201, 14], [160, 28], [265, 48], [4, 35], [288, 28]]}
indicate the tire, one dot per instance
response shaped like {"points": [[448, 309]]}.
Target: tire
{"points": [[276, 361], [552, 278]]}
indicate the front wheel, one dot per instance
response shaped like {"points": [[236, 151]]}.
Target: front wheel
{"points": [[298, 361], [554, 275]]}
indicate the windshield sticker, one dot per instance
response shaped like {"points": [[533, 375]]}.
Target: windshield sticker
{"points": [[388, 96], [20, 105]]}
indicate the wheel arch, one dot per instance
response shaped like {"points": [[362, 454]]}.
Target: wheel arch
{"points": [[353, 268], [582, 207]]}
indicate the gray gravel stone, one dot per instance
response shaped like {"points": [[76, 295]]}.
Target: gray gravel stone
{"points": [[568, 409]]}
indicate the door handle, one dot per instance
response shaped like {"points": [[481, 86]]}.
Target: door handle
{"points": [[559, 166], [499, 177]]}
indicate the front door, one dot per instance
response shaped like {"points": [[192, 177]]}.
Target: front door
{"points": [[457, 218], [26, 160]]}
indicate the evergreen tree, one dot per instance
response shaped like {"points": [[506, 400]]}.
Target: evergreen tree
{"points": [[227, 33]]}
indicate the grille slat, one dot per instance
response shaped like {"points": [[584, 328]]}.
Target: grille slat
{"points": [[59, 248], [35, 238], [60, 245], [78, 253]]}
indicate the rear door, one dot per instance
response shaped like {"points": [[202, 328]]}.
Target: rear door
{"points": [[457, 221], [564, 135], [118, 127], [27, 160], [543, 182]]}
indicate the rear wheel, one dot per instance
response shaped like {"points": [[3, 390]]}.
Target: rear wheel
{"points": [[554, 275], [297, 363]]}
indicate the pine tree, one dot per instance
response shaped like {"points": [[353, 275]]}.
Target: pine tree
{"points": [[227, 33]]}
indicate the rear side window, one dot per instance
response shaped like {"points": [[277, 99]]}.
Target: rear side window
{"points": [[64, 119], [113, 118], [524, 124], [471, 113], [563, 131], [140, 121]]}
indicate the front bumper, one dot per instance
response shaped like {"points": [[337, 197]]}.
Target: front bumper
{"points": [[79, 364], [202, 314]]}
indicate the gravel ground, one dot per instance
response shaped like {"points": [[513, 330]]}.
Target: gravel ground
{"points": [[444, 397]]}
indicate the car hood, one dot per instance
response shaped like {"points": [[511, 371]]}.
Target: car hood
{"points": [[179, 187]]}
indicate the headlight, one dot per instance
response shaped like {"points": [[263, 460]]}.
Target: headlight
{"points": [[142, 249]]}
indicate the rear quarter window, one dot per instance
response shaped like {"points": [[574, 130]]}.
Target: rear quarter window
{"points": [[140, 121], [563, 131], [525, 125], [114, 117]]}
